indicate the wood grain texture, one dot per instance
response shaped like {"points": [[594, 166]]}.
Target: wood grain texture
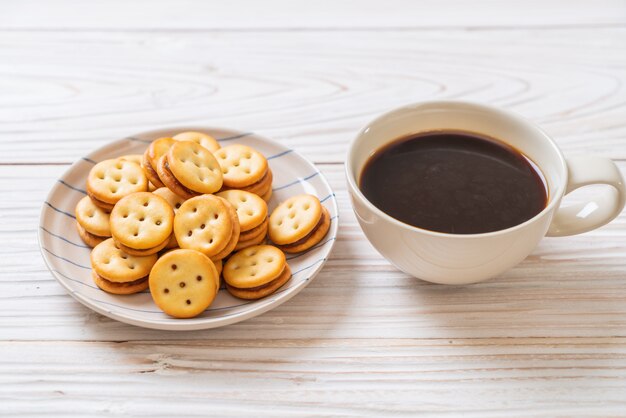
{"points": [[299, 15], [316, 377], [64, 94]]}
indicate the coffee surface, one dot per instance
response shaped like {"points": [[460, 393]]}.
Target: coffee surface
{"points": [[454, 182]]}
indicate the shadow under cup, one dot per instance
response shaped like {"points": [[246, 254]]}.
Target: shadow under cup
{"points": [[451, 258]]}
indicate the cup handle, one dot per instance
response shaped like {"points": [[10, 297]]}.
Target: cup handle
{"points": [[596, 211]]}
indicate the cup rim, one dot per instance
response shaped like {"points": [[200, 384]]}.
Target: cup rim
{"points": [[354, 188]]}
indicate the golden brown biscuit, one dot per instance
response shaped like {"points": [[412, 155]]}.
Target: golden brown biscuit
{"points": [[313, 237], [125, 288], [175, 201], [294, 219], [255, 232], [92, 218], [206, 140], [234, 238], [205, 223], [241, 244], [188, 169], [113, 264], [143, 222], [256, 272], [251, 209], [183, 283], [111, 180], [241, 165]]}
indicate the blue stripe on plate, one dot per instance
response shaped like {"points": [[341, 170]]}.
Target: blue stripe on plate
{"points": [[230, 138], [296, 181], [59, 210], [64, 239], [89, 160], [280, 154], [72, 187], [134, 138], [327, 197], [65, 259]]}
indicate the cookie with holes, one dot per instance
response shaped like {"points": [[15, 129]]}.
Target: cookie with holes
{"points": [[252, 215], [188, 169], [174, 201], [256, 272], [298, 223], [92, 222], [133, 158], [151, 157], [142, 223], [207, 141], [118, 272], [111, 180], [208, 224], [243, 168], [183, 283]]}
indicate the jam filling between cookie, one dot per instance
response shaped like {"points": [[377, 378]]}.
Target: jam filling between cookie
{"points": [[121, 284], [100, 203], [173, 179], [263, 286], [307, 236]]}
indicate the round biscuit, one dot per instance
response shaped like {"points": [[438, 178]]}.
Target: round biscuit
{"points": [[146, 251], [194, 167], [315, 237], [92, 218], [251, 209], [111, 180], [273, 286], [254, 266], [116, 266], [133, 158], [88, 238], [127, 288], [142, 220], [294, 219], [183, 283], [207, 141], [203, 223], [241, 165]]}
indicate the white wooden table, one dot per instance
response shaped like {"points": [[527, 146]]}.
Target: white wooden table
{"points": [[547, 338]]}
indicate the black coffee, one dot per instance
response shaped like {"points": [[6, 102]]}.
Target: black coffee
{"points": [[454, 182]]}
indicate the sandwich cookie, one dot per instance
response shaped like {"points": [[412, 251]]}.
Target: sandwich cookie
{"points": [[298, 223], [92, 222], [252, 215], [208, 224], [256, 272], [244, 168], [174, 201], [207, 141], [111, 180], [117, 272], [142, 223], [151, 157], [188, 169], [183, 283]]}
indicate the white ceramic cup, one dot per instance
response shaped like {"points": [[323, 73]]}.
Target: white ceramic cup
{"points": [[460, 259]]}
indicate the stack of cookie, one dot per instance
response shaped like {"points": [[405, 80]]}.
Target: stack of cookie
{"points": [[177, 211]]}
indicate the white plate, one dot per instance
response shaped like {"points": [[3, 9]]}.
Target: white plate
{"points": [[67, 256]]}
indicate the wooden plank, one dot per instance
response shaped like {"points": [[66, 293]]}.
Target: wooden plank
{"points": [[569, 287], [241, 14], [316, 377], [64, 94]]}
